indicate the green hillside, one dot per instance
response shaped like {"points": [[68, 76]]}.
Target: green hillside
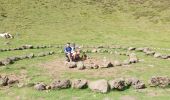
{"points": [[95, 21]]}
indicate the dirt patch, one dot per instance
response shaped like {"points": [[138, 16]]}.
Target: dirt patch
{"points": [[57, 68]]}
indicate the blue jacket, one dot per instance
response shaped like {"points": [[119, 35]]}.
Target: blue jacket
{"points": [[67, 49]]}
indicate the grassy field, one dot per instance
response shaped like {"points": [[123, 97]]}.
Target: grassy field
{"points": [[139, 23]]}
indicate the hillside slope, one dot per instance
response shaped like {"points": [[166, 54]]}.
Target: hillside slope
{"points": [[95, 21]]}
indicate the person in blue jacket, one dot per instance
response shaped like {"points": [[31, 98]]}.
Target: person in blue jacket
{"points": [[68, 52]]}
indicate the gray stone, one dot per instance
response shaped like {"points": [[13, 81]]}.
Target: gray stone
{"points": [[118, 84], [61, 84], [28, 47], [31, 55], [79, 83], [164, 57], [40, 86], [4, 81], [72, 65], [42, 54], [14, 58], [99, 86], [131, 48], [139, 49], [136, 83], [150, 53], [157, 55], [7, 61], [159, 81], [12, 81], [80, 65]]}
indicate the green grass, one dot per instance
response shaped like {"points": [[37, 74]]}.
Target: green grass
{"points": [[139, 23]]}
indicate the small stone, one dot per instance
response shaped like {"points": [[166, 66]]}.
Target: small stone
{"points": [[40, 86], [157, 55], [79, 84], [80, 65], [61, 84], [131, 48], [72, 65], [99, 86], [4, 81]]}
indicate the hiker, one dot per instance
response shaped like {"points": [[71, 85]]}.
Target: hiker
{"points": [[68, 52]]}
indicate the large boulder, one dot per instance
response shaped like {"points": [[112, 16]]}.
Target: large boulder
{"points": [[61, 84], [4, 81], [40, 86], [79, 83], [118, 84], [80, 65], [159, 81], [99, 86]]}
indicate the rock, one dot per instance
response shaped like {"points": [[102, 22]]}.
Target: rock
{"points": [[12, 81], [42, 54], [164, 57], [159, 81], [100, 46], [80, 65], [139, 49], [23, 57], [157, 55], [133, 58], [117, 63], [92, 66], [126, 62], [146, 49], [28, 47], [4, 81], [51, 52], [79, 84], [14, 58], [31, 55], [48, 87], [40, 86], [137, 84], [61, 84], [131, 48], [72, 65], [106, 65], [150, 53], [118, 84], [99, 86], [7, 61]]}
